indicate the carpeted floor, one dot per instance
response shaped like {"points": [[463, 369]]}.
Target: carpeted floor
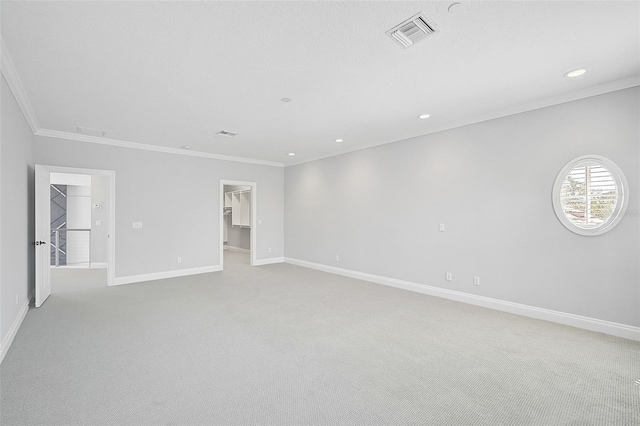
{"points": [[285, 345]]}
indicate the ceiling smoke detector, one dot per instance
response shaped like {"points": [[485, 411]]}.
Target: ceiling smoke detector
{"points": [[412, 30], [227, 134]]}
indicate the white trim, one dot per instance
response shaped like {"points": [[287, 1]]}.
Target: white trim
{"points": [[111, 225], [593, 324], [15, 83], [11, 75], [93, 265], [130, 279], [269, 261], [8, 339], [237, 249], [145, 147], [254, 214], [587, 92]]}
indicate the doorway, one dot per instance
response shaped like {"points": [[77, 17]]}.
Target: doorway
{"points": [[79, 222], [238, 231], [75, 229]]}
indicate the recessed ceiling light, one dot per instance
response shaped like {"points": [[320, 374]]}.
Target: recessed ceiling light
{"points": [[291, 154], [423, 116], [186, 147], [575, 73], [455, 8], [285, 100], [339, 140]]}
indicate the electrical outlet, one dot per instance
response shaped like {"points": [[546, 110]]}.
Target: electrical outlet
{"points": [[98, 222], [476, 280], [179, 259], [337, 258], [269, 249], [136, 225], [441, 227], [449, 276]]}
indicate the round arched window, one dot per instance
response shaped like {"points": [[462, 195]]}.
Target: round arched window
{"points": [[590, 195]]}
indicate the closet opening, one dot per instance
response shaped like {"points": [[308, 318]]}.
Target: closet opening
{"points": [[237, 221]]}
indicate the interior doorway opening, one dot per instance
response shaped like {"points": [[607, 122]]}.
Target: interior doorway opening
{"points": [[238, 232], [79, 223], [75, 229]]}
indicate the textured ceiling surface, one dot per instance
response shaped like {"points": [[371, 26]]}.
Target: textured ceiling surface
{"points": [[176, 73]]}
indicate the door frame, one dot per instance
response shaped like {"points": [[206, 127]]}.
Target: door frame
{"points": [[111, 225], [254, 209]]}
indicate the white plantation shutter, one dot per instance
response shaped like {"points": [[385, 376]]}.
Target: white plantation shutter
{"points": [[588, 195]]}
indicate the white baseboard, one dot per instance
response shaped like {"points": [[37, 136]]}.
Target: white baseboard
{"points": [[592, 324], [268, 261], [94, 265], [8, 339], [237, 249], [130, 279]]}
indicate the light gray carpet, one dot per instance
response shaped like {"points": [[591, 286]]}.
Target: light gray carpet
{"points": [[284, 345]]}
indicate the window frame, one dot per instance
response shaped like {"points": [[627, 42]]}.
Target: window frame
{"points": [[621, 203]]}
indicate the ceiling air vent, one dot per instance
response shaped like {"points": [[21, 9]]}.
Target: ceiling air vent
{"points": [[90, 132], [412, 30], [227, 134]]}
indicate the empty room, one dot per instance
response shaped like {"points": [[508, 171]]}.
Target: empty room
{"points": [[320, 213]]}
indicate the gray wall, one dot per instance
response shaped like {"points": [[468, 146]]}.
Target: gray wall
{"points": [[238, 237], [177, 198], [16, 210], [490, 184], [100, 195]]}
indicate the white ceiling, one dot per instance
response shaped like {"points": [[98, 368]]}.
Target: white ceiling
{"points": [[176, 73]]}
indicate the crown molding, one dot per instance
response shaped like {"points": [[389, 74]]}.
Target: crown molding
{"points": [[16, 86], [145, 147], [587, 92]]}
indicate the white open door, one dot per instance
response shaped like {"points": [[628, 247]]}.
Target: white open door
{"points": [[43, 235]]}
